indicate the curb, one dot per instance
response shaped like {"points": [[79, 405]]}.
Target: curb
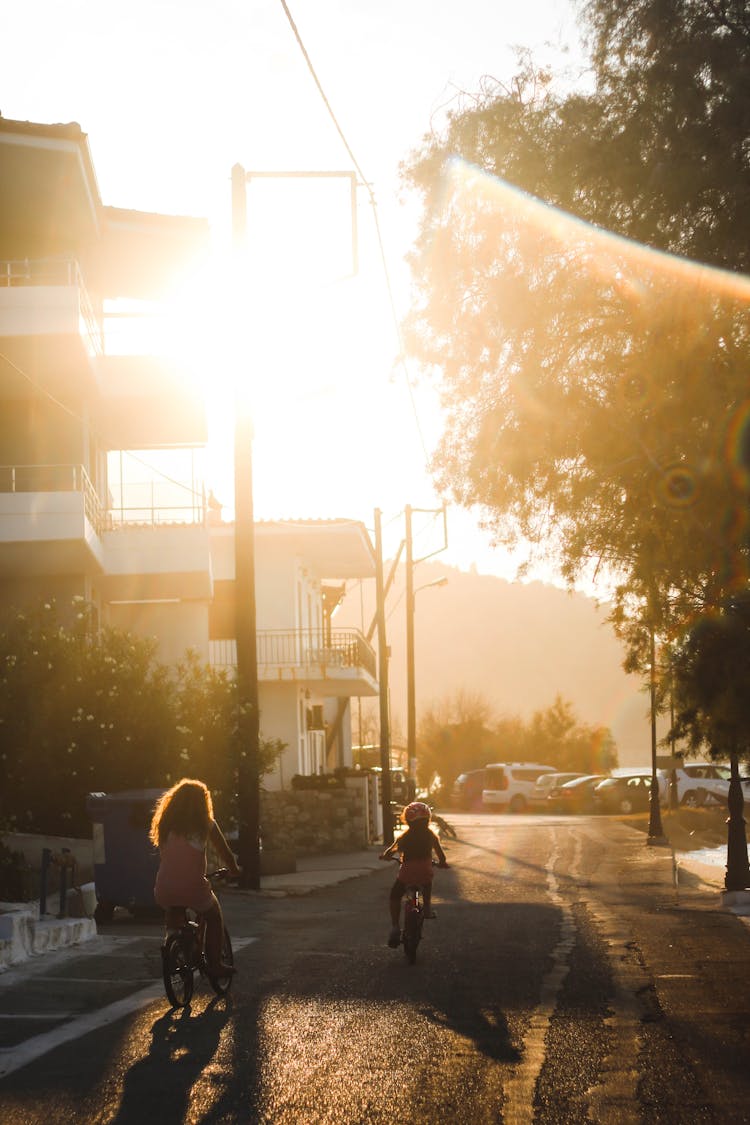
{"points": [[23, 934]]}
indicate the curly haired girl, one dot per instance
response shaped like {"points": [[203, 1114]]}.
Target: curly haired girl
{"points": [[182, 827]]}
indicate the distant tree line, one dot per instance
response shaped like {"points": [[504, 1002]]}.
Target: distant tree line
{"points": [[461, 734], [84, 709]]}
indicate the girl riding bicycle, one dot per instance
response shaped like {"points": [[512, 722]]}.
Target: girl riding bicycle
{"points": [[182, 827], [415, 846]]}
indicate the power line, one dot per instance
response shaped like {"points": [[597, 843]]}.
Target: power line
{"points": [[366, 184], [39, 389]]}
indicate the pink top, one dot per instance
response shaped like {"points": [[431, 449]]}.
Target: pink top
{"points": [[181, 879]]}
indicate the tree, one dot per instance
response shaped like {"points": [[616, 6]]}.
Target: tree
{"points": [[712, 666], [79, 712], [560, 739], [454, 736], [462, 734], [595, 393], [85, 710], [712, 671]]}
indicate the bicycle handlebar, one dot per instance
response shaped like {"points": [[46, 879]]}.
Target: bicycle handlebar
{"points": [[395, 858], [221, 873]]}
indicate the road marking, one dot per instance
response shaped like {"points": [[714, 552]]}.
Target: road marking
{"points": [[13, 1058], [614, 1098], [519, 1090]]}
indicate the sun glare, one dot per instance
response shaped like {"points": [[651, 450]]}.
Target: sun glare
{"points": [[283, 328]]}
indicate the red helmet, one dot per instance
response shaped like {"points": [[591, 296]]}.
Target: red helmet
{"points": [[417, 810]]}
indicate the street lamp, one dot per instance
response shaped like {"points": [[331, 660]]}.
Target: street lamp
{"points": [[411, 709], [655, 829]]}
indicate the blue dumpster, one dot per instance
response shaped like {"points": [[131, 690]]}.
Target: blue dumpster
{"points": [[125, 860]]}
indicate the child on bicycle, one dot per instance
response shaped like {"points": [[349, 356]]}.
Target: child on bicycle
{"points": [[415, 846], [182, 827]]}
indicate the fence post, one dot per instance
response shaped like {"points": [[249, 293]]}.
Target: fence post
{"points": [[63, 912], [46, 858]]}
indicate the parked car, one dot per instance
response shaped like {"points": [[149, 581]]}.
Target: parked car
{"points": [[466, 792], [698, 783], [508, 785], [623, 794], [575, 796], [544, 785]]}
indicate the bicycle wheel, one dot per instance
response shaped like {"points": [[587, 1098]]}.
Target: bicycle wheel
{"points": [[221, 985], [178, 974], [412, 932]]}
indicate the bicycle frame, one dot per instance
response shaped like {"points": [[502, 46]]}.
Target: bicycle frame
{"points": [[411, 933], [184, 953]]}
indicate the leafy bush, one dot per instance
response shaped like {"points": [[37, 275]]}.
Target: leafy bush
{"points": [[85, 709]]}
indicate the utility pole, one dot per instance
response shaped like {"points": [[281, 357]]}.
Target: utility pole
{"points": [[411, 707], [248, 717], [385, 732], [411, 704]]}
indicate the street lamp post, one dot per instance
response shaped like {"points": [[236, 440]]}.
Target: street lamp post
{"points": [[655, 829], [737, 877]]}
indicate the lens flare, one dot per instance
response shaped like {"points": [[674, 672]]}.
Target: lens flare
{"points": [[737, 448], [677, 486]]}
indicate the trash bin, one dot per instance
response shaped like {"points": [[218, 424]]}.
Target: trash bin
{"points": [[125, 860]]}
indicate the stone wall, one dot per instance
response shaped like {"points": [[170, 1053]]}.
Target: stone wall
{"points": [[310, 822]]}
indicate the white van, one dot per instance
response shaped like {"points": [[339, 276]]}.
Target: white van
{"points": [[509, 785]]}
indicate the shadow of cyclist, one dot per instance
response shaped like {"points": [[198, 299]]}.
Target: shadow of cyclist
{"points": [[158, 1087]]}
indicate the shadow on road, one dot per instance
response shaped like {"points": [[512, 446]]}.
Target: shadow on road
{"points": [[159, 1087]]}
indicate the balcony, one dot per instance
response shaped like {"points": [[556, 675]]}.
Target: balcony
{"points": [[48, 297], [51, 520], [339, 662]]}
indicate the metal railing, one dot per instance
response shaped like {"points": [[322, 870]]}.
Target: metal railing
{"points": [[55, 478], [55, 271], [308, 649]]}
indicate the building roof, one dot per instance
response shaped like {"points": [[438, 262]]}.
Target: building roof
{"points": [[50, 206], [334, 549]]}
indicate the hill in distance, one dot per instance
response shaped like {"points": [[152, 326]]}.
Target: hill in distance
{"points": [[517, 645]]}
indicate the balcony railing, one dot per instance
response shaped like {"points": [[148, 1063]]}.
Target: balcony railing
{"points": [[55, 272], [55, 478], [306, 649]]}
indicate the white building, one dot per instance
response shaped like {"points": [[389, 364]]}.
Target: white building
{"points": [[74, 420]]}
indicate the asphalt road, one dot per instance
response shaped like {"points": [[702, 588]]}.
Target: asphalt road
{"points": [[565, 979]]}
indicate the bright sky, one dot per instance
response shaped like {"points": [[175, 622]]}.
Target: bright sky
{"points": [[172, 94]]}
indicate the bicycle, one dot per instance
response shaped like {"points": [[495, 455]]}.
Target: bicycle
{"points": [[444, 826], [411, 931], [183, 954]]}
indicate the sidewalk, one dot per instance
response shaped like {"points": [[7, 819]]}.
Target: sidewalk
{"points": [[23, 934], [317, 871]]}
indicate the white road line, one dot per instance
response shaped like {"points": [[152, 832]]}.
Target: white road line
{"points": [[519, 1090], [13, 1058], [16, 1057]]}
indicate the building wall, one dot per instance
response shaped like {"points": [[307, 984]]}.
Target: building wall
{"points": [[175, 626], [309, 822], [282, 716]]}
